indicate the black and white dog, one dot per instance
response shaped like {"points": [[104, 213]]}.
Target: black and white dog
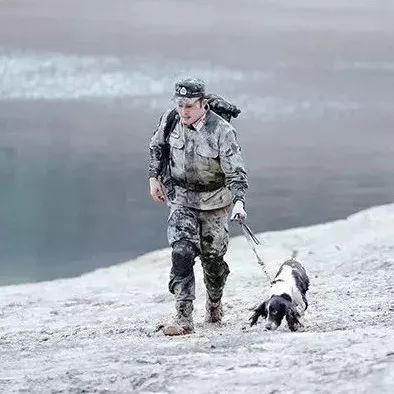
{"points": [[286, 297]]}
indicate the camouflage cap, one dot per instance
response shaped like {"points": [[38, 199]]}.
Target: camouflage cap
{"points": [[190, 88]]}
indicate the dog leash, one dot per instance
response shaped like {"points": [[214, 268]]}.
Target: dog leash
{"points": [[253, 241]]}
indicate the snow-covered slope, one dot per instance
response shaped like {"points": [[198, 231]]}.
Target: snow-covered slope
{"points": [[96, 333]]}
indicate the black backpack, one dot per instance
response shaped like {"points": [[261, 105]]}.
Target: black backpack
{"points": [[217, 104]]}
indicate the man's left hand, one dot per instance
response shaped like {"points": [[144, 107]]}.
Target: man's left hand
{"points": [[238, 212]]}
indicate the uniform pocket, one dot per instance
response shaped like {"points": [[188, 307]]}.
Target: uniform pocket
{"points": [[208, 159], [176, 141], [177, 156], [207, 151]]}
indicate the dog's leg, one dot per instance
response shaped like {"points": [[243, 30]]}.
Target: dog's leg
{"points": [[259, 311], [299, 310], [292, 320]]}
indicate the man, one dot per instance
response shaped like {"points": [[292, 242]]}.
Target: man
{"points": [[206, 175]]}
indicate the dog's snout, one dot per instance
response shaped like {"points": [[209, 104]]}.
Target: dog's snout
{"points": [[271, 326]]}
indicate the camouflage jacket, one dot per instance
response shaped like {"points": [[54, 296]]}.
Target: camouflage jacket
{"points": [[209, 156]]}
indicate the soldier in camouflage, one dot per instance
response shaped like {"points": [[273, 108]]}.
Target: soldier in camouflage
{"points": [[205, 176]]}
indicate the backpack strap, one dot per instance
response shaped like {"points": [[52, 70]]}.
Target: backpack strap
{"points": [[171, 122]]}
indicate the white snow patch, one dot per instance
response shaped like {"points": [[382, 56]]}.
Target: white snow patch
{"points": [[97, 332]]}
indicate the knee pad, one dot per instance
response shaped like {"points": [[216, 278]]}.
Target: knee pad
{"points": [[215, 266], [183, 255]]}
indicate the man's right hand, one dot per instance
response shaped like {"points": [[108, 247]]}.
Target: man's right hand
{"points": [[238, 212], [156, 190]]}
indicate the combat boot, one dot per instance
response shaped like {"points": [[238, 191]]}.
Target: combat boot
{"points": [[214, 311], [183, 323]]}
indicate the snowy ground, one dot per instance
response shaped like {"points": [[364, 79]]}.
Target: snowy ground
{"points": [[96, 333]]}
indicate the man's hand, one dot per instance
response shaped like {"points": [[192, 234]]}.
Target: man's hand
{"points": [[156, 190], [238, 212]]}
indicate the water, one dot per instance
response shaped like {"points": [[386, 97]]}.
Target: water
{"points": [[81, 92]]}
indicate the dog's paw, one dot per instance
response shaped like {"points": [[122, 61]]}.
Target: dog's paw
{"points": [[296, 327]]}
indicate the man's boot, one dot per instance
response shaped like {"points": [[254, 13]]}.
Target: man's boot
{"points": [[183, 323], [214, 311]]}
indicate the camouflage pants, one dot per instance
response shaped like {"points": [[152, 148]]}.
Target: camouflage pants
{"points": [[193, 232]]}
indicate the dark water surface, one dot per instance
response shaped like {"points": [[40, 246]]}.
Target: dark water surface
{"points": [[79, 103]]}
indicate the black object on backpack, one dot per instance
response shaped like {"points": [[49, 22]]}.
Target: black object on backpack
{"points": [[222, 107]]}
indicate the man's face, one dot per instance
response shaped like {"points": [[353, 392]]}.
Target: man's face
{"points": [[190, 112]]}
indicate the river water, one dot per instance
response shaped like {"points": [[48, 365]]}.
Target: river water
{"points": [[82, 87]]}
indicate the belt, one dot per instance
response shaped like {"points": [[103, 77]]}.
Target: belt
{"points": [[194, 187]]}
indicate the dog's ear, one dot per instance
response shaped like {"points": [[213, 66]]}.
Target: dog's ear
{"points": [[259, 311], [292, 319]]}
